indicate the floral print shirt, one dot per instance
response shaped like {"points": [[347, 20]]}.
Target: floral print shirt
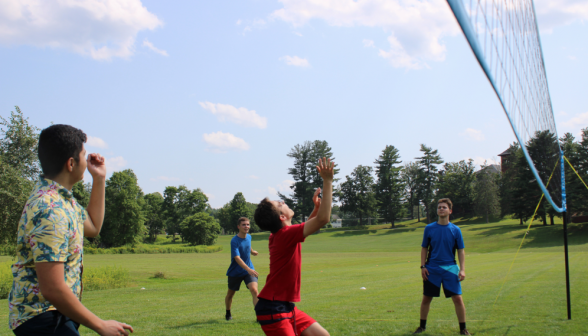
{"points": [[51, 229]]}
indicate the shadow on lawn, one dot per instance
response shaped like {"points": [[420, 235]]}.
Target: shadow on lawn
{"points": [[552, 235], [366, 232], [201, 324]]}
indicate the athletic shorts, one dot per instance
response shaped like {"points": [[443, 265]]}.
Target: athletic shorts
{"points": [[235, 282], [281, 318], [48, 323], [442, 275]]}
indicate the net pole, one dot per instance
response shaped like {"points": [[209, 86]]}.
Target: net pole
{"points": [[565, 230]]}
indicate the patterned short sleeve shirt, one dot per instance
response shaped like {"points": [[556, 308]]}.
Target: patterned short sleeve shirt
{"points": [[51, 229]]}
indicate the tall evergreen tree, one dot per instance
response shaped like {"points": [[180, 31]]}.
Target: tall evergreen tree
{"points": [[357, 193], [456, 182], [428, 177], [410, 176], [18, 145], [238, 208], [389, 187]]}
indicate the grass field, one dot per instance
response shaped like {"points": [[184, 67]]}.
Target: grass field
{"points": [[337, 263]]}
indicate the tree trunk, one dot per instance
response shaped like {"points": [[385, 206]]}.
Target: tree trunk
{"points": [[487, 220], [544, 219], [551, 218], [521, 221], [419, 212], [427, 213]]}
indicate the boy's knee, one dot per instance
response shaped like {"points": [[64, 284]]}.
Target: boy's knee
{"points": [[457, 299]]}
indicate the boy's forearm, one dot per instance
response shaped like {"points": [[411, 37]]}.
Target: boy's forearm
{"points": [[241, 263], [461, 257], [324, 211], [423, 256], [69, 305], [96, 206]]}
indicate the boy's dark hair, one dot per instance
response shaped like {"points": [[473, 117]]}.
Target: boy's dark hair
{"points": [[267, 217], [58, 143], [446, 201], [241, 220]]}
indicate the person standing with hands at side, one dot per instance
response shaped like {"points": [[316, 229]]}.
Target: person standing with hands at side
{"points": [[47, 289], [275, 309], [241, 268], [441, 240]]}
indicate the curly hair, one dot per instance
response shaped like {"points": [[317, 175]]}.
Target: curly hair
{"points": [[57, 144], [267, 217]]}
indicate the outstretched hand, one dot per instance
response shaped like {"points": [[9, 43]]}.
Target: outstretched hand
{"points": [[96, 165], [114, 328], [316, 199], [326, 169]]}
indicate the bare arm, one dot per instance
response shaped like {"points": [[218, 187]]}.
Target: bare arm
{"points": [[461, 257], [54, 289], [424, 271], [245, 267], [326, 170], [97, 169], [255, 253]]}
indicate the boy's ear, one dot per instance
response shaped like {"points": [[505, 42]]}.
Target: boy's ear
{"points": [[69, 165]]}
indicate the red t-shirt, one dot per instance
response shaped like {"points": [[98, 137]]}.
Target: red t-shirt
{"points": [[283, 280]]}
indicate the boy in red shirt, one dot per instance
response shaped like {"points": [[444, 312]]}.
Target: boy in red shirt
{"points": [[275, 309]]}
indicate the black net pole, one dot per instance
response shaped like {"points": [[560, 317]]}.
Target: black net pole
{"points": [[565, 229]]}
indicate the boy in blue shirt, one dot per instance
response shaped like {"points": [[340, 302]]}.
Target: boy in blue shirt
{"points": [[440, 242], [241, 268]]}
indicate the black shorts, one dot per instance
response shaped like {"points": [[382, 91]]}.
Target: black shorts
{"points": [[48, 323], [235, 282], [429, 289]]}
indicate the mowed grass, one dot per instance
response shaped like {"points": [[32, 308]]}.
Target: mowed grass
{"points": [[337, 263]]}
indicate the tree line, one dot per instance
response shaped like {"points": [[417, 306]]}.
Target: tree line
{"points": [[391, 190]]}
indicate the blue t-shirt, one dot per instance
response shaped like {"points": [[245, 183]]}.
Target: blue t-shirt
{"points": [[240, 247], [442, 242]]}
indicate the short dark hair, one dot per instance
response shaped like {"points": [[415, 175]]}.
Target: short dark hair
{"points": [[267, 217], [241, 220], [58, 143], [446, 201]]}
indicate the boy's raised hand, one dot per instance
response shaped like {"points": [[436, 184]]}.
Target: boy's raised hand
{"points": [[326, 169], [96, 165], [316, 199]]}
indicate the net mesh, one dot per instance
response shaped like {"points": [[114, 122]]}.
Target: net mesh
{"points": [[503, 35]]}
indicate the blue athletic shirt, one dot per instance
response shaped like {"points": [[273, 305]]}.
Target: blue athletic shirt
{"points": [[240, 247], [442, 242]]}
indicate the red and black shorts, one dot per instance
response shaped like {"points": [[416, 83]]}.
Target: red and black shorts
{"points": [[281, 318]]}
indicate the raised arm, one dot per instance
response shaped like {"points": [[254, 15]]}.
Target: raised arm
{"points": [[95, 209], [326, 169]]}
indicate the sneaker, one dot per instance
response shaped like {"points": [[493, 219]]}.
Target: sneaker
{"points": [[419, 330], [229, 317], [464, 332]]}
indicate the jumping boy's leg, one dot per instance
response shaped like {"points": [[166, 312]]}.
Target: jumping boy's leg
{"points": [[315, 329], [252, 286]]}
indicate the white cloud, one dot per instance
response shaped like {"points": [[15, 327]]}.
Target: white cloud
{"points": [[221, 142], [295, 61], [368, 43], [478, 160], [238, 22], [415, 26], [96, 142], [96, 28], [298, 34], [253, 177], [554, 13], [272, 191], [283, 188], [153, 48], [115, 164], [210, 196], [165, 178], [576, 124], [240, 116], [473, 134]]}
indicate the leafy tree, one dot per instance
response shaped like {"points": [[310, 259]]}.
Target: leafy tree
{"points": [[357, 193], [152, 211], [18, 146], [239, 208], [200, 229], [577, 154], [456, 182], [507, 181], [428, 177], [306, 178], [123, 218], [14, 192], [82, 193], [179, 203], [410, 175], [486, 193], [224, 218], [389, 184]]}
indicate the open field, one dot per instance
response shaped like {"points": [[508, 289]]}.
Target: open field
{"points": [[337, 263]]}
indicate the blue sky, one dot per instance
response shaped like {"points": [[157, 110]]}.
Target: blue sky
{"points": [[214, 94]]}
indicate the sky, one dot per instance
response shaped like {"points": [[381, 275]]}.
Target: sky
{"points": [[214, 94]]}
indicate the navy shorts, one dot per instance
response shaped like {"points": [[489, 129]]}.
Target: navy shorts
{"points": [[235, 282], [48, 323], [442, 275]]}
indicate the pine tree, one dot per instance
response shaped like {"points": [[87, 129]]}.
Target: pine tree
{"points": [[428, 177], [389, 184]]}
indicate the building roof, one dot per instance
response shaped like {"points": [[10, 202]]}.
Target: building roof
{"points": [[505, 153]]}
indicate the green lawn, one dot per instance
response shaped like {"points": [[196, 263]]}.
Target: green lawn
{"points": [[337, 263]]}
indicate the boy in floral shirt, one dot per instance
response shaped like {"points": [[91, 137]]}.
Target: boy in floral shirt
{"points": [[47, 289]]}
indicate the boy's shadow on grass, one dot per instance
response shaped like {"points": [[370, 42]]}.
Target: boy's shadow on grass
{"points": [[209, 322]]}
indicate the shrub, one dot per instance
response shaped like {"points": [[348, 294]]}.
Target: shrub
{"points": [[150, 249], [5, 279], [159, 275], [200, 229], [106, 277]]}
